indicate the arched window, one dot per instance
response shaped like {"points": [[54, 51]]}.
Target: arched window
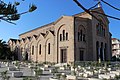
{"points": [[100, 30], [63, 35], [60, 37], [40, 49], [48, 48], [81, 34], [97, 29], [66, 36], [32, 50], [83, 37]]}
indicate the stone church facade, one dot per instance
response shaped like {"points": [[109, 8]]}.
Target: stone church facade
{"points": [[71, 38]]}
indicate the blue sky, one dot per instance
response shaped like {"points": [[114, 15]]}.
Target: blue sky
{"points": [[49, 11]]}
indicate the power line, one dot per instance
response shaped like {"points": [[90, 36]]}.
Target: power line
{"points": [[89, 12], [94, 6], [106, 15], [85, 9], [110, 5]]}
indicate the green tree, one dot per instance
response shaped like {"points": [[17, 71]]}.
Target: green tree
{"points": [[9, 11], [5, 52]]}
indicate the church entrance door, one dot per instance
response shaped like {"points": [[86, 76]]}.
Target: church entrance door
{"points": [[63, 55]]}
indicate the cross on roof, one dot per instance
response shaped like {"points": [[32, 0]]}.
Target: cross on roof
{"points": [[99, 1]]}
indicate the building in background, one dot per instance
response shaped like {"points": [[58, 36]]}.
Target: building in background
{"points": [[70, 38], [115, 47]]}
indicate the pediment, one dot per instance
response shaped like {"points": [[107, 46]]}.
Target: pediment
{"points": [[12, 40], [40, 36], [18, 42], [34, 37], [100, 13], [50, 32], [43, 34], [23, 40], [27, 39], [53, 32]]}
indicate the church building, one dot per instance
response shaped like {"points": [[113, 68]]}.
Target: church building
{"points": [[79, 37]]}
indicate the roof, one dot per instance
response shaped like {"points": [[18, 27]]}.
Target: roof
{"points": [[52, 23], [86, 12], [14, 40], [37, 28], [114, 39]]}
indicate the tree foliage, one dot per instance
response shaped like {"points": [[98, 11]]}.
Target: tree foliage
{"points": [[9, 11], [5, 52]]}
